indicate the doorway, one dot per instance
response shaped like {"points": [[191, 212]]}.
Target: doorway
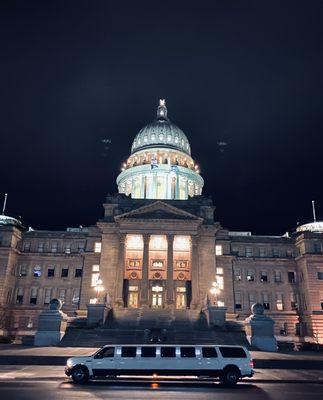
{"points": [[157, 296]]}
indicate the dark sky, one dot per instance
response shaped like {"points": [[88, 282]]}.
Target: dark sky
{"points": [[249, 73]]}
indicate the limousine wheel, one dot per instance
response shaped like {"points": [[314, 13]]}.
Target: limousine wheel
{"points": [[230, 376], [80, 374]]}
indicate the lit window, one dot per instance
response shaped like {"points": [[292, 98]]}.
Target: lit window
{"points": [[237, 275], [250, 276], [220, 281], [158, 242], [93, 300], [219, 271], [95, 268], [68, 248], [157, 264], [41, 247], [220, 303], [181, 243], [37, 271], [218, 250], [134, 242], [97, 247], [94, 279], [279, 302]]}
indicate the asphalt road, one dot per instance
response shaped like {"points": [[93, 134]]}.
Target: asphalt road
{"points": [[49, 383], [52, 390]]}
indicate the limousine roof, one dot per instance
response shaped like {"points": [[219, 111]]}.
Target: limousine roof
{"points": [[171, 345]]}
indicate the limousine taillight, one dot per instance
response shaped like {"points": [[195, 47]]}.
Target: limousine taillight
{"points": [[251, 363]]}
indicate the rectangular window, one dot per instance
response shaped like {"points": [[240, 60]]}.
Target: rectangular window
{"points": [[37, 271], [317, 247], [249, 252], [232, 352], [76, 296], [22, 271], [188, 352], [33, 295], [289, 253], [47, 296], [148, 352], [283, 329], [291, 277], [220, 281], [218, 250], [64, 273], [237, 275], [62, 294], [277, 276], [293, 301], [20, 296], [97, 247], [134, 263], [95, 268], [128, 352], [252, 299], [275, 252], [219, 271], [94, 279], [209, 352], [51, 272], [320, 275], [265, 301], [41, 247], [108, 352], [168, 352], [238, 302], [67, 248], [181, 264], [26, 247], [250, 276], [54, 247], [262, 252], [78, 272], [279, 302], [263, 276], [157, 264], [81, 247]]}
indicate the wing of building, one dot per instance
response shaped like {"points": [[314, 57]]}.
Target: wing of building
{"points": [[159, 247]]}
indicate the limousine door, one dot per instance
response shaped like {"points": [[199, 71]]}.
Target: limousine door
{"points": [[208, 359], [104, 362]]}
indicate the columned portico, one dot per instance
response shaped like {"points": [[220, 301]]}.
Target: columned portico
{"points": [[120, 271], [195, 274]]}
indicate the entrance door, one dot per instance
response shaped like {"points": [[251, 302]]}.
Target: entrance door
{"points": [[157, 300], [180, 301], [157, 296], [133, 297]]}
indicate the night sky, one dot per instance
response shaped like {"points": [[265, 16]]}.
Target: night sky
{"points": [[248, 73]]}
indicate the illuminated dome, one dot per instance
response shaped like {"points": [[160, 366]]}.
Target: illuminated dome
{"points": [[161, 133], [316, 227], [160, 165]]}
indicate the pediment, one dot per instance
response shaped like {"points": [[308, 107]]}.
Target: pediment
{"points": [[158, 210]]}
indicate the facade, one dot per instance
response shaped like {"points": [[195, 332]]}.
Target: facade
{"points": [[158, 246]]}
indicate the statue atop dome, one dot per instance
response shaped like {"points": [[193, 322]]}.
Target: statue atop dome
{"points": [[162, 110]]}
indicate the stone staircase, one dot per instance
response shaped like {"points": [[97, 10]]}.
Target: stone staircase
{"points": [[130, 326]]}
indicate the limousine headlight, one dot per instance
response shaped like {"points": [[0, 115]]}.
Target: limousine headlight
{"points": [[69, 363]]}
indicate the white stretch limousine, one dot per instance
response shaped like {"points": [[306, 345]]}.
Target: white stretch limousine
{"points": [[229, 363]]}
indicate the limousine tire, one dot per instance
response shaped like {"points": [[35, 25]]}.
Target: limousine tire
{"points": [[230, 376], [80, 374]]}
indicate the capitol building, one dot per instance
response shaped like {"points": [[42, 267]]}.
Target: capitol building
{"points": [[159, 249]]}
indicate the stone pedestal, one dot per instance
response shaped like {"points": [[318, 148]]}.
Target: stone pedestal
{"points": [[260, 330], [97, 314], [215, 315], [51, 325]]}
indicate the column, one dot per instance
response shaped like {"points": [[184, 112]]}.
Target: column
{"points": [[196, 301], [170, 278], [144, 279], [120, 272]]}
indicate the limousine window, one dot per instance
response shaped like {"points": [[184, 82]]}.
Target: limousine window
{"points": [[233, 352], [188, 352], [168, 352], [128, 352], [148, 352], [106, 352], [209, 352]]}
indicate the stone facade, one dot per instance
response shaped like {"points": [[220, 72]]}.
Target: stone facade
{"points": [[166, 252]]}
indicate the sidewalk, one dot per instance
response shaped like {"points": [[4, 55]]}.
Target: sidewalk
{"points": [[28, 355]]}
